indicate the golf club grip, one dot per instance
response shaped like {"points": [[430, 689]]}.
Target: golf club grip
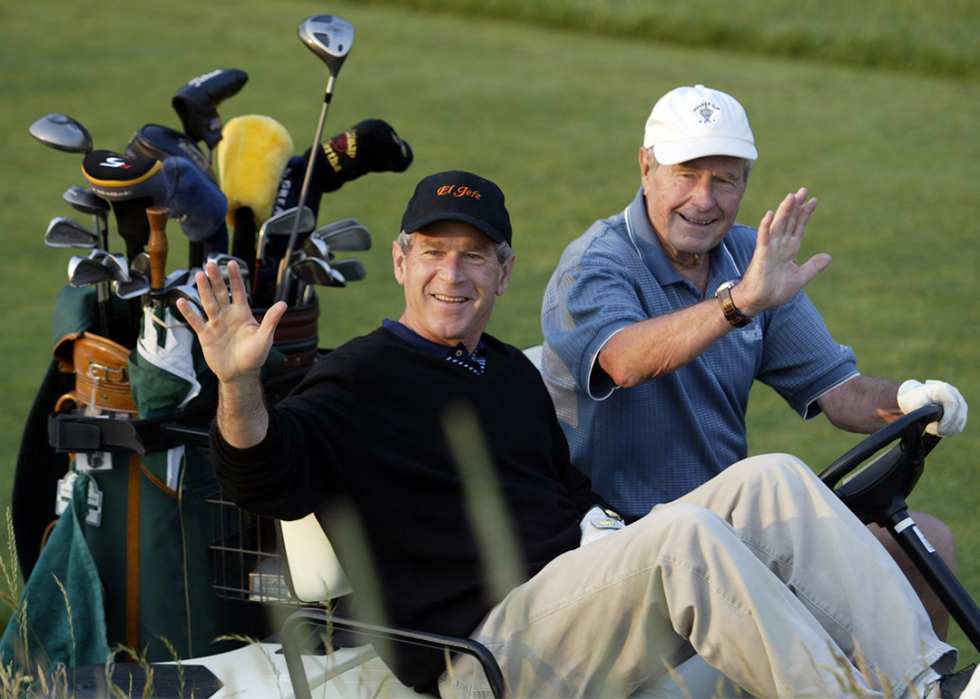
{"points": [[157, 246]]}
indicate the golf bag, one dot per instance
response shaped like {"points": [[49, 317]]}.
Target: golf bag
{"points": [[149, 525]]}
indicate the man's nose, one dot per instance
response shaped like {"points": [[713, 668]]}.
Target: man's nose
{"points": [[703, 194], [452, 269]]}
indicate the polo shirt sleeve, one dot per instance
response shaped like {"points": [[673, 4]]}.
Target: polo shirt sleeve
{"points": [[800, 359], [590, 298]]}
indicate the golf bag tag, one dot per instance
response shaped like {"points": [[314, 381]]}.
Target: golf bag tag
{"points": [[65, 486]]}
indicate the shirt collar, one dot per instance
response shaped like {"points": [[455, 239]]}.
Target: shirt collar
{"points": [[647, 246], [421, 343]]}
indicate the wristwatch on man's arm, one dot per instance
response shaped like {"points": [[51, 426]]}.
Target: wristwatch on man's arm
{"points": [[732, 314]]}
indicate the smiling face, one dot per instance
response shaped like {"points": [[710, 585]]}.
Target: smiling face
{"points": [[692, 205], [451, 277]]}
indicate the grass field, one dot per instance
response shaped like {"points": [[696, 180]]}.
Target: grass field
{"points": [[555, 116]]}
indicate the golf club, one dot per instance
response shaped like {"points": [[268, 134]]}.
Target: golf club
{"points": [[118, 267], [282, 223], [137, 285], [63, 232], [345, 235], [330, 38], [88, 202], [316, 247], [62, 133], [222, 260], [353, 270], [86, 271], [312, 270]]}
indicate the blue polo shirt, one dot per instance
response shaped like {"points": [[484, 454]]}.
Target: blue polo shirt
{"points": [[655, 442]]}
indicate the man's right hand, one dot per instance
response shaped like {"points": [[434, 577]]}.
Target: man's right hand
{"points": [[773, 277], [235, 345]]}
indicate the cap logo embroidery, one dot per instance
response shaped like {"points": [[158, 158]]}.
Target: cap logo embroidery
{"points": [[460, 192], [707, 112]]}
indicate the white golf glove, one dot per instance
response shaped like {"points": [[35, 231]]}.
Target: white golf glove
{"points": [[599, 523], [913, 395]]}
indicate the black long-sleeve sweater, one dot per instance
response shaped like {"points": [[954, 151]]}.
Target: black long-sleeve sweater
{"points": [[365, 427]]}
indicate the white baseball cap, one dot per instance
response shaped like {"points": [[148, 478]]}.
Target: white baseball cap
{"points": [[694, 122]]}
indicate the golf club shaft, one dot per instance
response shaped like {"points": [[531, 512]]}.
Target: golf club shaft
{"points": [[105, 307], [102, 226], [305, 190]]}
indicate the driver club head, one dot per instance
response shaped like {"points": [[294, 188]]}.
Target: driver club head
{"points": [[329, 37], [62, 133], [86, 201], [63, 232]]}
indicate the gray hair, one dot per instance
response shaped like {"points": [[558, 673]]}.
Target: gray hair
{"points": [[407, 240], [749, 164]]}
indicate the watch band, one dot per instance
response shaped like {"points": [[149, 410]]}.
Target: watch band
{"points": [[732, 314]]}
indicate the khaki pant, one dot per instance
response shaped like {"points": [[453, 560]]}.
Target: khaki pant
{"points": [[761, 571]]}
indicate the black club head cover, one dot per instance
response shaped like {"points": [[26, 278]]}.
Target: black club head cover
{"points": [[369, 146]]}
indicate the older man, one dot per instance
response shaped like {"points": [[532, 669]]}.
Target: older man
{"points": [[598, 608], [658, 320]]}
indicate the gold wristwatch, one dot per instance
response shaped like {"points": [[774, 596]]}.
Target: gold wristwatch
{"points": [[732, 314]]}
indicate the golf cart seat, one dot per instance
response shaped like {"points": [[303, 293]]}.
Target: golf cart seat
{"points": [[313, 575]]}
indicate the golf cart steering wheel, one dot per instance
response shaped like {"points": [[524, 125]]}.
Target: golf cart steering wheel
{"points": [[879, 490]]}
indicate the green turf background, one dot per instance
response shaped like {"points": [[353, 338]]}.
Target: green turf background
{"points": [[553, 110]]}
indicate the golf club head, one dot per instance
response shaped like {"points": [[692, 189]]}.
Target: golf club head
{"points": [[83, 272], [138, 285], [118, 267], [188, 292], [312, 270], [62, 133], [86, 201], [349, 237], [63, 232], [222, 259], [329, 37], [176, 278], [353, 270], [141, 264], [282, 224], [315, 247]]}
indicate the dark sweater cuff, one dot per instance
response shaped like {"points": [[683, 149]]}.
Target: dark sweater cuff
{"points": [[260, 453]]}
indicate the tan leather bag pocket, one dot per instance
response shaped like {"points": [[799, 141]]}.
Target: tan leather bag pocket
{"points": [[101, 374]]}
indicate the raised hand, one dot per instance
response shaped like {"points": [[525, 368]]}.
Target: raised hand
{"points": [[235, 345], [773, 277]]}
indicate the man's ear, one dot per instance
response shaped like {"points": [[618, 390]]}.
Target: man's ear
{"points": [[398, 257], [505, 272]]}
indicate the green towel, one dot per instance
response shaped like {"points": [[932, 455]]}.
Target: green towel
{"points": [[51, 636]]}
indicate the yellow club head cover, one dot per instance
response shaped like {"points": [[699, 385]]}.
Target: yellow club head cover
{"points": [[252, 154]]}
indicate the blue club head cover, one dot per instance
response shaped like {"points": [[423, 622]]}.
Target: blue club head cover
{"points": [[196, 202]]}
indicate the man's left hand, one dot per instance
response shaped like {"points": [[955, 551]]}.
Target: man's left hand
{"points": [[598, 524], [913, 395]]}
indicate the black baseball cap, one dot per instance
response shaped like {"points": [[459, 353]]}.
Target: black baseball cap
{"points": [[459, 196]]}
